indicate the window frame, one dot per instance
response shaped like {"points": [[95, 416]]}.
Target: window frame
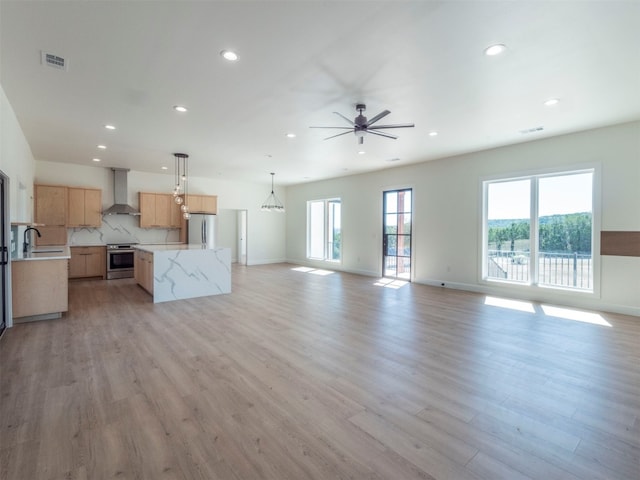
{"points": [[534, 177], [326, 257]]}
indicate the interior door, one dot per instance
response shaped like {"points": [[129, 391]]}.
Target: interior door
{"points": [[396, 234], [242, 237]]}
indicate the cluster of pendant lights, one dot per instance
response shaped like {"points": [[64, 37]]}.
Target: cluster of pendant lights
{"points": [[181, 189]]}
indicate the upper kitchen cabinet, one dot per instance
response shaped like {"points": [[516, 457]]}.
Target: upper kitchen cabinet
{"points": [[158, 210], [51, 211], [203, 203], [84, 207]]}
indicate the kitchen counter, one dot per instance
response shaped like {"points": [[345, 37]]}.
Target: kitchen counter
{"points": [[43, 253], [165, 247], [183, 271]]}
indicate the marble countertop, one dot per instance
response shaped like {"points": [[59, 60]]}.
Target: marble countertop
{"points": [[43, 253], [172, 247]]}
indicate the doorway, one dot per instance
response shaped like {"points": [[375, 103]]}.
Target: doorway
{"points": [[5, 277], [396, 234]]}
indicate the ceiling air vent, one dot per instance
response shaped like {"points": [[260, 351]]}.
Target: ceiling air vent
{"points": [[54, 61], [531, 130]]}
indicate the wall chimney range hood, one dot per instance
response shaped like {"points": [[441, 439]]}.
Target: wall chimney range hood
{"points": [[120, 206]]}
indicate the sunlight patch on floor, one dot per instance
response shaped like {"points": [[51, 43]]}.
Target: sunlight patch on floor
{"points": [[314, 271], [390, 283], [510, 304], [575, 315]]}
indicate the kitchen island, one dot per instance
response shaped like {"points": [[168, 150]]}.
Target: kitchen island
{"points": [[176, 272]]}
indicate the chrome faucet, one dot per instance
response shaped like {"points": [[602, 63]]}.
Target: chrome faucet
{"points": [[25, 244]]}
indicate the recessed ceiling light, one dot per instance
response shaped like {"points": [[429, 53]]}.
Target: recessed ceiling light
{"points": [[109, 127], [180, 108], [101, 147], [361, 152], [433, 134], [229, 55], [291, 135], [551, 102], [164, 168], [494, 50], [96, 159]]}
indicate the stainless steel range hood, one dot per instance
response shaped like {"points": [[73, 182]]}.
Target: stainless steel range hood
{"points": [[120, 206]]}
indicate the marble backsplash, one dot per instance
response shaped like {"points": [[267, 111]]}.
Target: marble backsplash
{"points": [[121, 229]]}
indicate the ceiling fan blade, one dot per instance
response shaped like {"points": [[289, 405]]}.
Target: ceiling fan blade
{"points": [[382, 134], [378, 117], [341, 128], [334, 136], [396, 125], [348, 120]]}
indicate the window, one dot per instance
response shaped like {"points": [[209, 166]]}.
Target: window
{"points": [[324, 238], [538, 230]]}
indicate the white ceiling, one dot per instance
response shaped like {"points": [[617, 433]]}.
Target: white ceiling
{"points": [[131, 61]]}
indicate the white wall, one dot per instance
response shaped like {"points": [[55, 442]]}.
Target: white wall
{"points": [[266, 240], [447, 213], [17, 162]]}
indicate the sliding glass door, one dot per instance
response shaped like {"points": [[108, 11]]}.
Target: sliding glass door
{"points": [[396, 234]]}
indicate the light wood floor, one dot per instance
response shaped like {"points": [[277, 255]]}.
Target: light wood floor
{"points": [[303, 376]]}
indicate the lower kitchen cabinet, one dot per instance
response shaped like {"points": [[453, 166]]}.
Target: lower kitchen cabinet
{"points": [[87, 262], [39, 289], [143, 270]]}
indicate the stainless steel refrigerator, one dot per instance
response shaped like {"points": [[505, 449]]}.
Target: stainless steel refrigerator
{"points": [[202, 230]]}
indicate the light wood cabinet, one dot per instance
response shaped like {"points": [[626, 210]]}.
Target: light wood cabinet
{"points": [[158, 210], [203, 204], [50, 204], [84, 207], [175, 214], [143, 270], [87, 262], [39, 288]]}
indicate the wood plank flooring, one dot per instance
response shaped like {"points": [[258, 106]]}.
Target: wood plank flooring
{"points": [[297, 375]]}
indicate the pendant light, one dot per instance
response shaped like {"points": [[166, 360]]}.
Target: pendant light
{"points": [[272, 203], [181, 189]]}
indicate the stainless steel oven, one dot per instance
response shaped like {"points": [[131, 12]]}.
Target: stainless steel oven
{"points": [[119, 260]]}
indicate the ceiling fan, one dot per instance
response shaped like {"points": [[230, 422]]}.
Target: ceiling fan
{"points": [[360, 126]]}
